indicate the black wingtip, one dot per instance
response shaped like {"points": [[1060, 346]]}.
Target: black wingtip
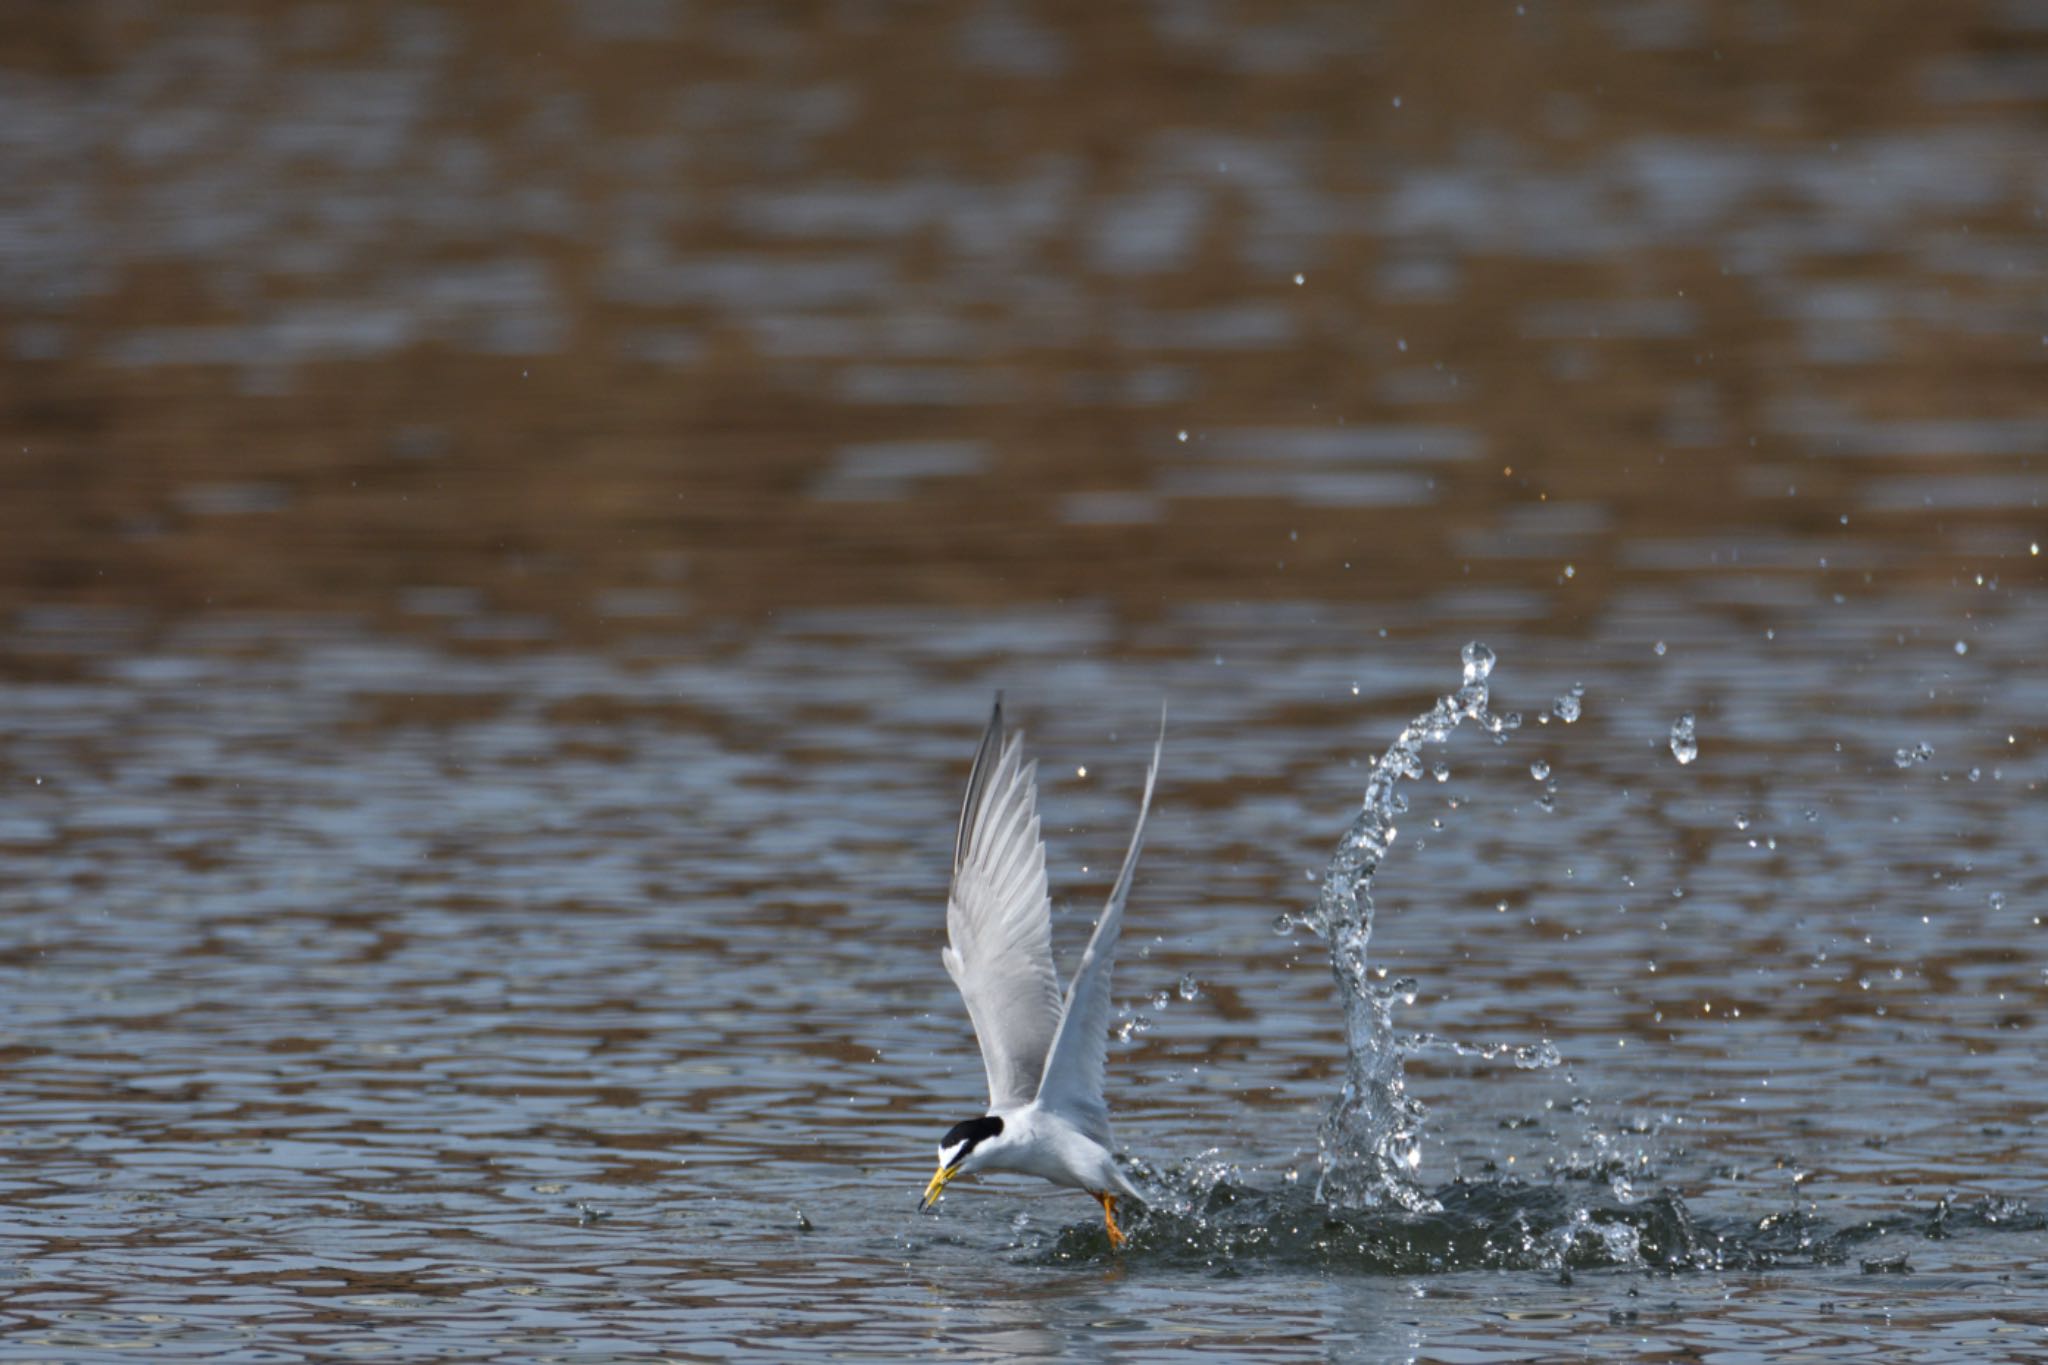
{"points": [[984, 756]]}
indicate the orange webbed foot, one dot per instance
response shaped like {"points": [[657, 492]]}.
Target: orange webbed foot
{"points": [[1116, 1234]]}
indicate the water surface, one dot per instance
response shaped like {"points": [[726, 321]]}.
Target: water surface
{"points": [[510, 528]]}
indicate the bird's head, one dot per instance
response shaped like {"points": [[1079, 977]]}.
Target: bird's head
{"points": [[965, 1148]]}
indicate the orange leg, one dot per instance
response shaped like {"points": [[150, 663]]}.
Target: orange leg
{"points": [[1116, 1234]]}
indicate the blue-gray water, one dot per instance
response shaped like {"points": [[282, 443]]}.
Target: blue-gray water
{"points": [[510, 522], [362, 996]]}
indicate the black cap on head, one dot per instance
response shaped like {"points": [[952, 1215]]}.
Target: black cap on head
{"points": [[967, 1136]]}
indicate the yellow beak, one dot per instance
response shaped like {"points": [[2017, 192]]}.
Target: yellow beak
{"points": [[936, 1187]]}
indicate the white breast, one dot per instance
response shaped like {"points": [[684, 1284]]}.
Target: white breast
{"points": [[1047, 1146]]}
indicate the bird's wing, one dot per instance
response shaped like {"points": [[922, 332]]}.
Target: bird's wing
{"points": [[1072, 1085], [998, 920]]}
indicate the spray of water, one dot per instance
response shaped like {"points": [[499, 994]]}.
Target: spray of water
{"points": [[1368, 1213], [1590, 1208], [1370, 1139]]}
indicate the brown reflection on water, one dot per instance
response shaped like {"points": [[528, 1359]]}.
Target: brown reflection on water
{"points": [[509, 515], [581, 319]]}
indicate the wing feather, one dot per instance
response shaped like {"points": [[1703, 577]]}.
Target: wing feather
{"points": [[999, 920], [1073, 1079]]}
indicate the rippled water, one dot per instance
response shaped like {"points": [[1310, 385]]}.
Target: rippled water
{"points": [[365, 994], [509, 529]]}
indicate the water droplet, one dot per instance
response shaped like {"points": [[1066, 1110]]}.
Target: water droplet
{"points": [[1565, 708], [1189, 987], [1996, 900], [1441, 772], [1684, 739], [1478, 662], [1283, 925], [1301, 279], [1539, 770], [1160, 1000], [1182, 437], [1919, 753], [1741, 821], [1962, 647], [1658, 649]]}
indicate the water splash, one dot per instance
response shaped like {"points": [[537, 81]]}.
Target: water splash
{"points": [[1208, 1216], [1685, 744], [1524, 1056], [1369, 1146]]}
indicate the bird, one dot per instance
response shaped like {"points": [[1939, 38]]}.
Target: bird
{"points": [[1045, 1056]]}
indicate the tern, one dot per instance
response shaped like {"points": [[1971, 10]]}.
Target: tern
{"points": [[1045, 1056]]}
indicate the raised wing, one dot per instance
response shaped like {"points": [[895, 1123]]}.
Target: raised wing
{"points": [[1072, 1085], [998, 920]]}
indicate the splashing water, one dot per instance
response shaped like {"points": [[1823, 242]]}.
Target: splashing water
{"points": [[1369, 1145], [1215, 1218], [1685, 744], [1597, 1205]]}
